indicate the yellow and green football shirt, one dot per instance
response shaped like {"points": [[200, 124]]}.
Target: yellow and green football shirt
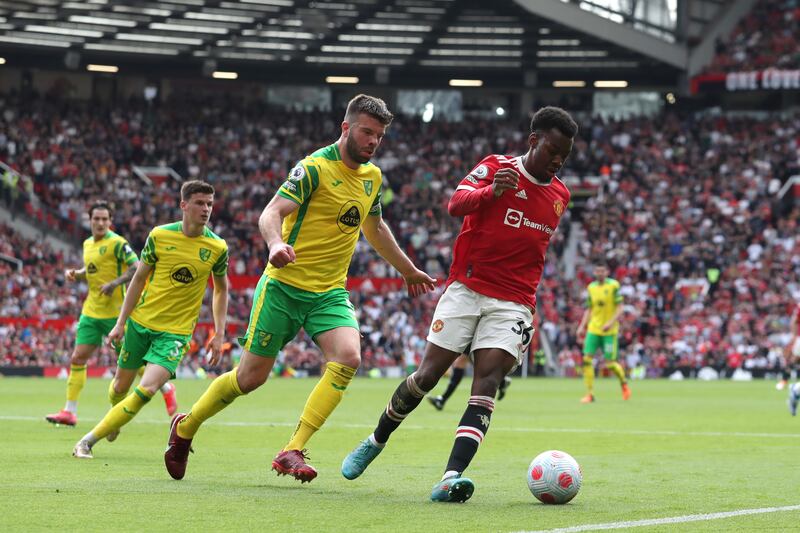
{"points": [[334, 202], [174, 292], [105, 260], [603, 299]]}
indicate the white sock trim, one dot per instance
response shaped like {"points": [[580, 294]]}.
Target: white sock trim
{"points": [[413, 388], [450, 473]]}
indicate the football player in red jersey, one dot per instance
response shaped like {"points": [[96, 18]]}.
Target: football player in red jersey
{"points": [[512, 206]]}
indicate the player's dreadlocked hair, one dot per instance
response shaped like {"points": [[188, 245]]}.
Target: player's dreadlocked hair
{"points": [[551, 117], [372, 106]]}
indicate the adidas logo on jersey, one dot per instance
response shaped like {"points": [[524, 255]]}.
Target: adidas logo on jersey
{"points": [[521, 194]]}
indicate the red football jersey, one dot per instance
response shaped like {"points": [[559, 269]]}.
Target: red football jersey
{"points": [[501, 248]]}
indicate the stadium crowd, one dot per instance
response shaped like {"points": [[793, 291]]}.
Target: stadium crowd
{"points": [[687, 216], [765, 38], [689, 220]]}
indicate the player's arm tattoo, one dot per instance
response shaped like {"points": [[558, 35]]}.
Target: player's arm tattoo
{"points": [[126, 276]]}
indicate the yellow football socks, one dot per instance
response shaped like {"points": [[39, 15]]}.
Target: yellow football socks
{"points": [[122, 413], [616, 368], [588, 374], [217, 397], [113, 396], [75, 382], [321, 403]]}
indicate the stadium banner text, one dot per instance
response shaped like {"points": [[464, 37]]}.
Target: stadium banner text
{"points": [[757, 80]]}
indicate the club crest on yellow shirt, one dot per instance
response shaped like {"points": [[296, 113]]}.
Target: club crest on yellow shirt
{"points": [[103, 250], [367, 186], [205, 253]]}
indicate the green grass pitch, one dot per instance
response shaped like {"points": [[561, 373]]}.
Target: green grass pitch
{"points": [[674, 449]]}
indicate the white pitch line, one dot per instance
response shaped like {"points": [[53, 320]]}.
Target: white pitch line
{"points": [[642, 432], [671, 520]]}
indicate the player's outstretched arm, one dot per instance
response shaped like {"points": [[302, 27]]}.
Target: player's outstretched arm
{"points": [[219, 308], [131, 298], [381, 239], [109, 287], [269, 224]]}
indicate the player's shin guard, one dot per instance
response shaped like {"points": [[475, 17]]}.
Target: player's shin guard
{"points": [[217, 397], [321, 403], [470, 433], [455, 379], [588, 373], [405, 399], [122, 413], [75, 383], [115, 397]]}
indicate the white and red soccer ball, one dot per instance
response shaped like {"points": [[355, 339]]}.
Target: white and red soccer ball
{"points": [[554, 477]]}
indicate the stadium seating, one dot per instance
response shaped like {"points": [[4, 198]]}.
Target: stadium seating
{"points": [[765, 38], [678, 192]]}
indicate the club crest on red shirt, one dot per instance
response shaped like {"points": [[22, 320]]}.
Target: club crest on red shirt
{"points": [[558, 207]]}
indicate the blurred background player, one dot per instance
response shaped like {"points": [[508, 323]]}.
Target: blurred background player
{"points": [[108, 265], [792, 355], [456, 375], [792, 349], [160, 311], [511, 208], [311, 227], [601, 319]]}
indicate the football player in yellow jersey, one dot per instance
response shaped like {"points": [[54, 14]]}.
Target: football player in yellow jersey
{"points": [[600, 326], [311, 227], [109, 263], [161, 308]]}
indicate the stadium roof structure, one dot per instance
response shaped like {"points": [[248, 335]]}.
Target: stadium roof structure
{"points": [[506, 43]]}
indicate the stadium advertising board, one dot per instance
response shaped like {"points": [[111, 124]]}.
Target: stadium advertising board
{"points": [[757, 80]]}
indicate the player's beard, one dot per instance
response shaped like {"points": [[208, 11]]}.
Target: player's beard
{"points": [[354, 151]]}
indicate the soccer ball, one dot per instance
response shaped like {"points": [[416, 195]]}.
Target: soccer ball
{"points": [[554, 477]]}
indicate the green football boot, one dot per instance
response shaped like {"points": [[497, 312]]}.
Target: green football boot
{"points": [[453, 489]]}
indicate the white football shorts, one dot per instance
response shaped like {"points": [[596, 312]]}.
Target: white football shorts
{"points": [[464, 318]]}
